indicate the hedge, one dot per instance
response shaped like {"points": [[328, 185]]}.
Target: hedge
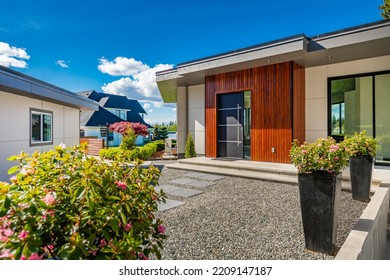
{"points": [[143, 153]]}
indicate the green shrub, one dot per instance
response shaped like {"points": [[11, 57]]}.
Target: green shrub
{"points": [[128, 140], [142, 153], [360, 145], [64, 204], [160, 144], [190, 147]]}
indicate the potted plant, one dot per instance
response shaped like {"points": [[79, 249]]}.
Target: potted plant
{"points": [[362, 150], [319, 177]]}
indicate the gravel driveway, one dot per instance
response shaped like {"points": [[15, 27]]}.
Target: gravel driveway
{"points": [[245, 219]]}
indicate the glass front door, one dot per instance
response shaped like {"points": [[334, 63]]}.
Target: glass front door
{"points": [[230, 134]]}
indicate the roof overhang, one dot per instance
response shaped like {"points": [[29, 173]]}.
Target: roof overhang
{"points": [[17, 83], [366, 41]]}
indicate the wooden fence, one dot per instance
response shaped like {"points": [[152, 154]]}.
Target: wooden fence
{"points": [[94, 145]]}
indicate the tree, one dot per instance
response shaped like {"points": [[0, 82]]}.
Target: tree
{"points": [[190, 147], [129, 132], [160, 133], [385, 9]]}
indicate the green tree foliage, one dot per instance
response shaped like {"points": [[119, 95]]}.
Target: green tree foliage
{"points": [[190, 147], [64, 204], [385, 7], [160, 133]]}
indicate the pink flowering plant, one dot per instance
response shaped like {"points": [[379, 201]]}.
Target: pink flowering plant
{"points": [[322, 156], [63, 204], [129, 132], [360, 145]]}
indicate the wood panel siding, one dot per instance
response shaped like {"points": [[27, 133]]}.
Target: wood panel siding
{"points": [[272, 103]]}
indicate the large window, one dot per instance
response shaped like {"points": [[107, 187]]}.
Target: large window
{"points": [[41, 127], [360, 103]]}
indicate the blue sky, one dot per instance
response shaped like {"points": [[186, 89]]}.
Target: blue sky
{"points": [[117, 45]]}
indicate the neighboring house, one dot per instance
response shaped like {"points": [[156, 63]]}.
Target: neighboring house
{"points": [[35, 116], [252, 102], [112, 108]]}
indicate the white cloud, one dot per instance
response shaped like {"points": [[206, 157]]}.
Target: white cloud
{"points": [[12, 56], [139, 81], [146, 106], [150, 110], [121, 66], [62, 63]]}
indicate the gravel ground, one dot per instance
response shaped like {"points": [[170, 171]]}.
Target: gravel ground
{"points": [[245, 219]]}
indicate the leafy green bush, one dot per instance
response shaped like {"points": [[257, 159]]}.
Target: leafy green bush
{"points": [[190, 147], [360, 145], [160, 144], [324, 155], [142, 153], [63, 204]]}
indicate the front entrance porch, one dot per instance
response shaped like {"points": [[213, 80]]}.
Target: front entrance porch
{"points": [[274, 172]]}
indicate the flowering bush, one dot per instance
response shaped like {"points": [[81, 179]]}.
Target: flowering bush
{"points": [[360, 145], [129, 132], [62, 204], [324, 155]]}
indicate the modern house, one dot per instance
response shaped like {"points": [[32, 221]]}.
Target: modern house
{"points": [[252, 102], [35, 116], [112, 108]]}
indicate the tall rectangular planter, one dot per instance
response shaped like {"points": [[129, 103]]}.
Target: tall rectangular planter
{"points": [[361, 175], [320, 198]]}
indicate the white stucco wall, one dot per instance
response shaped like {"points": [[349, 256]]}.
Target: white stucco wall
{"points": [[15, 122], [181, 119], [196, 116], [316, 80]]}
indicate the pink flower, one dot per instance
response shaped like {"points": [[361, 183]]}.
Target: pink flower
{"points": [[161, 229], [141, 256], [304, 152], [8, 232], [102, 243], [49, 199], [13, 179], [93, 252], [5, 254], [121, 185], [23, 234], [50, 247], [127, 227], [62, 146], [48, 212], [336, 158], [319, 145], [35, 256]]}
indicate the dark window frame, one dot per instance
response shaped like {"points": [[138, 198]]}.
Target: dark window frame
{"points": [[41, 112], [360, 75]]}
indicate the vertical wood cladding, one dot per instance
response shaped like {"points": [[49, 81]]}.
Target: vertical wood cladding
{"points": [[277, 92]]}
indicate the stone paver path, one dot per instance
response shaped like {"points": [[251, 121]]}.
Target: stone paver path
{"points": [[193, 179]]}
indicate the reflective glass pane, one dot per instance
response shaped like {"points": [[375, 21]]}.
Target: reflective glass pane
{"points": [[35, 127], [351, 101], [382, 116], [47, 127]]}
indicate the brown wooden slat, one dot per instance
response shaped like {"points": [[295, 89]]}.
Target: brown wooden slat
{"points": [[275, 91]]}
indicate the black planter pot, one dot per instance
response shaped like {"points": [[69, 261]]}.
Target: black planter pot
{"points": [[361, 174], [320, 198]]}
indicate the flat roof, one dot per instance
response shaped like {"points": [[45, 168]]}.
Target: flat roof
{"points": [[18, 83], [359, 42]]}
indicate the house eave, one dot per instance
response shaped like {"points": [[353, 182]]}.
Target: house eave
{"points": [[360, 42], [17, 83]]}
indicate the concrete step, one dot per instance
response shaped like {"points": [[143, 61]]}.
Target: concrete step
{"points": [[263, 167], [271, 174], [267, 176]]}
